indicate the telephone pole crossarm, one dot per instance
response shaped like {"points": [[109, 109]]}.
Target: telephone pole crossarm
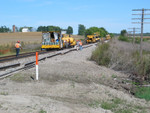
{"points": [[142, 23]]}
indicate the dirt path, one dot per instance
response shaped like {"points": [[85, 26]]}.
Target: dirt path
{"points": [[68, 84]]}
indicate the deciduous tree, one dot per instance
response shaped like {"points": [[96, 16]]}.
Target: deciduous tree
{"points": [[70, 30], [81, 29]]}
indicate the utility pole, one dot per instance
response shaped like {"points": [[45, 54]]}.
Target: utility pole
{"points": [[142, 14], [133, 31], [129, 33]]}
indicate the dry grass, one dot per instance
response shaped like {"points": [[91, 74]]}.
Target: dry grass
{"points": [[78, 37], [143, 36], [146, 36], [121, 52], [124, 56], [29, 37], [9, 38]]}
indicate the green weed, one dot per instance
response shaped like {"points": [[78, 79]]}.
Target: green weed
{"points": [[42, 111], [108, 105], [4, 93], [123, 38], [113, 104], [118, 105], [117, 101], [124, 111], [95, 104], [1, 106], [143, 92], [114, 76], [73, 84]]}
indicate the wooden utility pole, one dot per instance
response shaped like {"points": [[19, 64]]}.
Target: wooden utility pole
{"points": [[133, 31], [142, 23], [129, 33]]}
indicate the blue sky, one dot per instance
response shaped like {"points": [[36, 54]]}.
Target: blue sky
{"points": [[113, 15]]}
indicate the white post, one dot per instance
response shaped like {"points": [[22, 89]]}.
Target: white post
{"points": [[37, 73], [37, 70]]}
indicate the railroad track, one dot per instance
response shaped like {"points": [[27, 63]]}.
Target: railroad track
{"points": [[32, 64], [23, 55]]}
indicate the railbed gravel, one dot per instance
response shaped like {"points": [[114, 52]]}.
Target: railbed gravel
{"points": [[68, 83]]}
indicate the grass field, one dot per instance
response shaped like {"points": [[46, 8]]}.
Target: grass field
{"points": [[9, 38], [29, 37], [30, 41]]}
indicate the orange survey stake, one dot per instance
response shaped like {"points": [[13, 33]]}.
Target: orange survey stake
{"points": [[36, 58]]}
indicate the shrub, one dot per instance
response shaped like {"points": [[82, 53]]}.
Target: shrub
{"points": [[137, 40], [142, 66], [101, 54], [123, 38], [123, 56]]}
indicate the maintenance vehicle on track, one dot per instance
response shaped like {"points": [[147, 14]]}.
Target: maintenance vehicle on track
{"points": [[56, 40]]}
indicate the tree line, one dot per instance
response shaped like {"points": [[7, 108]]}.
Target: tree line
{"points": [[4, 29], [81, 30]]}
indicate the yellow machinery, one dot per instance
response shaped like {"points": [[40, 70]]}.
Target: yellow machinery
{"points": [[51, 40], [90, 39], [55, 40], [93, 38], [68, 39], [97, 36], [108, 37]]}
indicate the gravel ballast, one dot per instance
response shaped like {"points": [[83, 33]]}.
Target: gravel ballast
{"points": [[68, 83]]}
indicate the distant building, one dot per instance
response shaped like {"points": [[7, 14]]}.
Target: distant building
{"points": [[25, 30], [63, 32], [14, 28]]}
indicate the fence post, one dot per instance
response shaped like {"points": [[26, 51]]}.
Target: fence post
{"points": [[37, 70]]}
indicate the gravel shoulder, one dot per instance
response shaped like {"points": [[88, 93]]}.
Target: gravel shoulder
{"points": [[69, 83]]}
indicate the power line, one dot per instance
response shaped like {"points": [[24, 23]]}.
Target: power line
{"points": [[133, 31], [139, 18], [141, 9], [142, 22], [141, 14]]}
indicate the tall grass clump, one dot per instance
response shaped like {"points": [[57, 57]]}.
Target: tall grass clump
{"points": [[123, 56], [143, 66], [101, 54], [123, 38], [7, 49]]}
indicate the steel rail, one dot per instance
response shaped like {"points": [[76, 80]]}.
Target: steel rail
{"points": [[32, 64], [9, 66], [13, 57]]}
